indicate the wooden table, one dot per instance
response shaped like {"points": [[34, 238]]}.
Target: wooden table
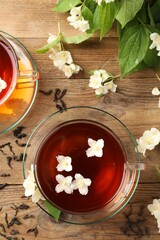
{"points": [[133, 103]]}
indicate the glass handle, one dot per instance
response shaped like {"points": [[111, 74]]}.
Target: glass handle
{"points": [[135, 166], [27, 76]]}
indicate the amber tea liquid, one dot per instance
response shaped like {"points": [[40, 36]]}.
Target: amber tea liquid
{"points": [[106, 173]]}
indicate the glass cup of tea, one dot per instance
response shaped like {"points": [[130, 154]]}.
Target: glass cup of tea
{"points": [[114, 174], [11, 57]]}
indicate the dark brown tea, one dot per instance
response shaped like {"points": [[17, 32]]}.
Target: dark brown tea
{"points": [[8, 70], [106, 172]]}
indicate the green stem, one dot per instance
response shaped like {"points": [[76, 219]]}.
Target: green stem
{"points": [[117, 76]]}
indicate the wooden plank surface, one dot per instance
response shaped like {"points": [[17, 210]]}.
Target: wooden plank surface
{"points": [[133, 103]]}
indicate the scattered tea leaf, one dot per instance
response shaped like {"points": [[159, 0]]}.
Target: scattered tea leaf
{"points": [[34, 230], [3, 185], [47, 93], [14, 232]]}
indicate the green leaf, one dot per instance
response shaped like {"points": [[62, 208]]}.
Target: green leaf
{"points": [[91, 5], [128, 10], [96, 18], [107, 17], [121, 30], [65, 5], [152, 23], [155, 9], [151, 58], [77, 39], [88, 15], [54, 212], [143, 14], [139, 67], [133, 47], [48, 46]]}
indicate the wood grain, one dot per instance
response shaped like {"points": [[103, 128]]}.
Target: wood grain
{"points": [[133, 103]]}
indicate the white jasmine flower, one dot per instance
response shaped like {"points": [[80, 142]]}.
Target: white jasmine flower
{"points": [[98, 77], [104, 75], [64, 184], [3, 84], [95, 148], [61, 58], [36, 196], [76, 11], [81, 184], [64, 163], [31, 187], [155, 37], [77, 20], [95, 80], [81, 24], [149, 140], [70, 69], [154, 208], [101, 90], [98, 81], [155, 91], [75, 14], [110, 86]]}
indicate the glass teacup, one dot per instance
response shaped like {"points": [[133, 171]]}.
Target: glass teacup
{"points": [[114, 176], [11, 56]]}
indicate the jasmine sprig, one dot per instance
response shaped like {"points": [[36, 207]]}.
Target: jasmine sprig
{"points": [[136, 22], [60, 39]]}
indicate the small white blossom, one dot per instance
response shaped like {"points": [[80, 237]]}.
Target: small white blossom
{"points": [[61, 58], [81, 184], [64, 163], [154, 208], [155, 91], [64, 184], [98, 81], [155, 37], [101, 90], [77, 20], [70, 69], [76, 11], [111, 86], [75, 14], [95, 148], [95, 80], [3, 84], [149, 140], [31, 187]]}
